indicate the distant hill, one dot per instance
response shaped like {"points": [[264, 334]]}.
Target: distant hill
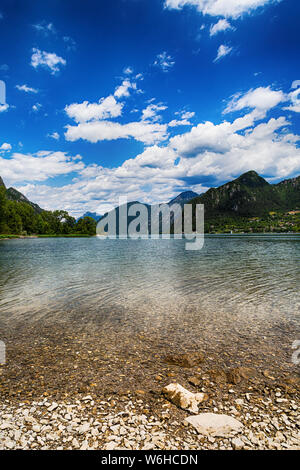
{"points": [[183, 198], [93, 215]]}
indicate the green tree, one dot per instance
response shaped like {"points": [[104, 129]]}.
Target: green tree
{"points": [[86, 225]]}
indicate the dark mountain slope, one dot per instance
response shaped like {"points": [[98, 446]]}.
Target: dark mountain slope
{"points": [[250, 195], [14, 195]]}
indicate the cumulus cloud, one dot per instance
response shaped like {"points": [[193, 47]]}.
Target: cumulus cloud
{"points": [[294, 98], [5, 147], [96, 131], [295, 84], [152, 112], [222, 52], [192, 160], [94, 124], [26, 88], [182, 122], [104, 109], [124, 89], [164, 61], [38, 167], [221, 25], [226, 8], [262, 99], [212, 151], [185, 114], [48, 60]]}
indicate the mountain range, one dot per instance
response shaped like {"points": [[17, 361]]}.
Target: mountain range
{"points": [[249, 195]]}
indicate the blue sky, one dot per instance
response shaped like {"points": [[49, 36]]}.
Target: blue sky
{"points": [[146, 98]]}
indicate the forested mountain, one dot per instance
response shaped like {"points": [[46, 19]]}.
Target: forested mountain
{"points": [[246, 204], [20, 216], [250, 195]]}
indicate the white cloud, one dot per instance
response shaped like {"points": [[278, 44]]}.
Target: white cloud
{"points": [[54, 135], [26, 88], [36, 107], [261, 99], [221, 25], [152, 112], [104, 109], [5, 147], [38, 167], [164, 61], [93, 122], [96, 131], [222, 52], [185, 114], [295, 84], [222, 152], [226, 8], [182, 122], [217, 152], [123, 90], [128, 70], [294, 97], [44, 28], [47, 60]]}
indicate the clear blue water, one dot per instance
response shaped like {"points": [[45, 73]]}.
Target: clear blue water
{"points": [[235, 287]]}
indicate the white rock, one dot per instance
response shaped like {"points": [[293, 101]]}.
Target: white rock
{"points": [[183, 398], [110, 446], [217, 425], [84, 428], [237, 443], [52, 407]]}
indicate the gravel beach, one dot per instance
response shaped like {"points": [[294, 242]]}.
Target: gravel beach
{"points": [[130, 423]]}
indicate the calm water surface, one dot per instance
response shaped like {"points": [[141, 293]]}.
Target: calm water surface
{"points": [[235, 287]]}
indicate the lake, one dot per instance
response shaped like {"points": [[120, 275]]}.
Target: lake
{"points": [[237, 299]]}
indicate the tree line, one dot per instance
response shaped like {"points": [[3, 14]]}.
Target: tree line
{"points": [[19, 218]]}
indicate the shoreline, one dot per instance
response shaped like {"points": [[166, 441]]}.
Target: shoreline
{"points": [[131, 423], [24, 237], [222, 234], [68, 390]]}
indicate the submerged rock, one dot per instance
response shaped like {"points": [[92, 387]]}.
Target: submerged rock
{"points": [[185, 360], [217, 425], [236, 375], [183, 398]]}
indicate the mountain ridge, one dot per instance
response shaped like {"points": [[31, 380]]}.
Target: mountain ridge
{"points": [[250, 195]]}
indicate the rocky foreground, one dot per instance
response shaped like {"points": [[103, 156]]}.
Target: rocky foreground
{"points": [[129, 423]]}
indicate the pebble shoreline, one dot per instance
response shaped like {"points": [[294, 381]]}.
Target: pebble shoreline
{"points": [[86, 422]]}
